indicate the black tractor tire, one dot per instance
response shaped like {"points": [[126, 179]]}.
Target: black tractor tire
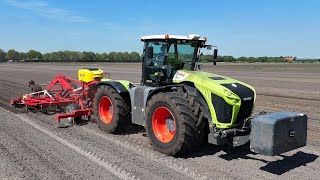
{"points": [[118, 110], [202, 114], [188, 136], [36, 88], [69, 109]]}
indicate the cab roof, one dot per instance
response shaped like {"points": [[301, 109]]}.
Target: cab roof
{"points": [[179, 37]]}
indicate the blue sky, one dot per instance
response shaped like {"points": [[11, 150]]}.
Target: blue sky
{"points": [[238, 27]]}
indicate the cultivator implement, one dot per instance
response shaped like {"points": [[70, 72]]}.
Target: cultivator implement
{"points": [[62, 92]]}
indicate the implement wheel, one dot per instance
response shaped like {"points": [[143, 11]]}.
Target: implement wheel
{"points": [[110, 109], [171, 124], [70, 108]]}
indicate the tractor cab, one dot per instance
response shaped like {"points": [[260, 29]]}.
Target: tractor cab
{"points": [[164, 55]]}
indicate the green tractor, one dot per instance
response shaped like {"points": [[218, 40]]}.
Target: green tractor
{"points": [[179, 107]]}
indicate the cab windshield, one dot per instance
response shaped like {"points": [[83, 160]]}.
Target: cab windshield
{"points": [[168, 58], [177, 55], [180, 56]]}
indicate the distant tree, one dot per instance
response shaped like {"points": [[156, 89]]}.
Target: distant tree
{"points": [[13, 55], [242, 59], [251, 59], [105, 56], [89, 56], [113, 55], [2, 56], [34, 55], [120, 56], [57, 56], [23, 56], [71, 56], [99, 57], [208, 58], [227, 58], [125, 56], [135, 56], [263, 59], [80, 56], [47, 56]]}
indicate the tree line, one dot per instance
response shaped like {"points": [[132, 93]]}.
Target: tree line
{"points": [[209, 58], [68, 56], [85, 56]]}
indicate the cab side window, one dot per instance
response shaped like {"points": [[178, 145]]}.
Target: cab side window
{"points": [[153, 65], [158, 54]]}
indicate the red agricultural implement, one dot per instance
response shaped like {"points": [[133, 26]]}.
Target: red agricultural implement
{"points": [[74, 96]]}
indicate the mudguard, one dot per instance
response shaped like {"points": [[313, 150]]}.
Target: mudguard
{"points": [[120, 88]]}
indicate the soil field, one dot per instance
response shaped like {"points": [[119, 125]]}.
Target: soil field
{"points": [[32, 148]]}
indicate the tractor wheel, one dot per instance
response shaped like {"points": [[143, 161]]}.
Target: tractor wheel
{"points": [[36, 88], [111, 110], [70, 108], [171, 124]]}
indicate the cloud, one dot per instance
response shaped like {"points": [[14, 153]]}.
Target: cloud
{"points": [[43, 8]]}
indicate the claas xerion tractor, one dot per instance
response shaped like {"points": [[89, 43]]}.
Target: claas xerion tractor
{"points": [[181, 108]]}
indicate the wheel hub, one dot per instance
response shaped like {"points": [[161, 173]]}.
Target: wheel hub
{"points": [[170, 124], [163, 124], [70, 120], [106, 109]]}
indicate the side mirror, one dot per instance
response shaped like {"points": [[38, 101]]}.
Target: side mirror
{"points": [[215, 53], [149, 52]]}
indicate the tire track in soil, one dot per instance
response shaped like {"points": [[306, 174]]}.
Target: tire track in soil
{"points": [[114, 169], [140, 146], [23, 166], [127, 139], [10, 89], [288, 97], [144, 149], [136, 143], [70, 162]]}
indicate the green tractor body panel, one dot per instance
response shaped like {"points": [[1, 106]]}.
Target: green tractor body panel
{"points": [[209, 85], [125, 83]]}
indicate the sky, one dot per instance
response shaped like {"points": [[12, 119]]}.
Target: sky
{"points": [[237, 27]]}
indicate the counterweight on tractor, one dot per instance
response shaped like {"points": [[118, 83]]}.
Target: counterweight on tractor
{"points": [[182, 108]]}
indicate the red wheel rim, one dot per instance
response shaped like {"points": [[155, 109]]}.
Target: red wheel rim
{"points": [[163, 124], [105, 110]]}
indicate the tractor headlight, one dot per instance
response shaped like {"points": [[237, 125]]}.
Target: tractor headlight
{"points": [[233, 99], [228, 93]]}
